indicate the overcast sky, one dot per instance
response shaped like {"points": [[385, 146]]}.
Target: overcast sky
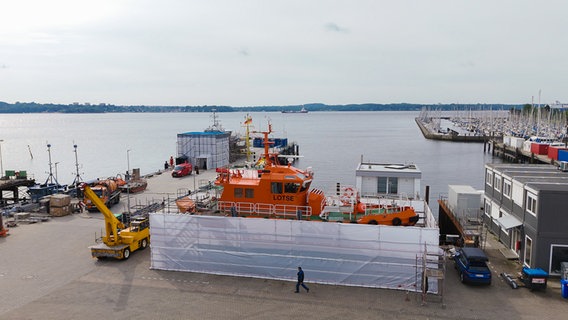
{"points": [[272, 52]]}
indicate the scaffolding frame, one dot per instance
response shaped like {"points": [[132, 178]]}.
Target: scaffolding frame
{"points": [[431, 265]]}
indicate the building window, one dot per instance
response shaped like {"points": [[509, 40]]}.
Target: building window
{"points": [[528, 251], [488, 177], [507, 188], [393, 185], [238, 192], [387, 185], [531, 203], [249, 193], [487, 208], [382, 185], [558, 254], [497, 183]]}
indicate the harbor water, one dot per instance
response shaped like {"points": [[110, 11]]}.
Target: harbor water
{"points": [[332, 143]]}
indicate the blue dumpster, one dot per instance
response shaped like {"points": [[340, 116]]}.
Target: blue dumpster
{"points": [[564, 288], [534, 279]]}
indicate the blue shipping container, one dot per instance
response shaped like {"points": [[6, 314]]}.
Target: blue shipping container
{"points": [[562, 155]]}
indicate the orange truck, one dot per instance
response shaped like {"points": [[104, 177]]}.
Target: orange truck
{"points": [[107, 190]]}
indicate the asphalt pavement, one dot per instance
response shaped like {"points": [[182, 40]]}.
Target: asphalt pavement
{"points": [[46, 272]]}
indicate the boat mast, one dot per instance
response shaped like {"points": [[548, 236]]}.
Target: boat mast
{"points": [[267, 143], [538, 114], [248, 121]]}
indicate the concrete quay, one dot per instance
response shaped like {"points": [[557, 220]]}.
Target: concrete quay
{"points": [[46, 272], [430, 134]]}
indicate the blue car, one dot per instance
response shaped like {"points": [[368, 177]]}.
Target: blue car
{"points": [[471, 264]]}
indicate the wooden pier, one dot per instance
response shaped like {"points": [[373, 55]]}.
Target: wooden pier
{"points": [[13, 185], [516, 155]]}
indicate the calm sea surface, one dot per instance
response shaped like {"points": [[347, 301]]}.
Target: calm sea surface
{"points": [[332, 143]]}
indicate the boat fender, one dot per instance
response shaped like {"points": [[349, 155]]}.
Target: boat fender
{"points": [[396, 221]]}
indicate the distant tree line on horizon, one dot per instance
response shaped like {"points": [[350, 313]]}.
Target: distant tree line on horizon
{"points": [[32, 107]]}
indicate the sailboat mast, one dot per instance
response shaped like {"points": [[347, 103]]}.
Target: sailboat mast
{"points": [[538, 115]]}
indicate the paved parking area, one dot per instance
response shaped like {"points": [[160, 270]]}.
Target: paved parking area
{"points": [[46, 272]]}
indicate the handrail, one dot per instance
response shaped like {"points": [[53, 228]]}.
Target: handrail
{"points": [[266, 209]]}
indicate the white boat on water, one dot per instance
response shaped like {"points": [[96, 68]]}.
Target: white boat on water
{"points": [[303, 110]]}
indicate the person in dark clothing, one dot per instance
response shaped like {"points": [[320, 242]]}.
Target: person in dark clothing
{"points": [[166, 165], [301, 281]]}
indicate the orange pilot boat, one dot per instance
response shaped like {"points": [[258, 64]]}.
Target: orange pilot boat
{"points": [[283, 192], [276, 191]]}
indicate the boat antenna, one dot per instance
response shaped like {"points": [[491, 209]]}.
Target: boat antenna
{"points": [[267, 144], [50, 178], [78, 178], [216, 126]]}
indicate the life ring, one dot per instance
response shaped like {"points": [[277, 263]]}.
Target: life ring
{"points": [[347, 195], [349, 191]]}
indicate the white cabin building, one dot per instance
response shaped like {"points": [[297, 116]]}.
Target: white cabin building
{"points": [[388, 180]]}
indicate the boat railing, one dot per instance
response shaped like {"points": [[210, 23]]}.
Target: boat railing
{"points": [[266, 209], [292, 211], [245, 207], [386, 209]]}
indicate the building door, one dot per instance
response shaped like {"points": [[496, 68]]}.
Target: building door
{"points": [[516, 240], [201, 163]]}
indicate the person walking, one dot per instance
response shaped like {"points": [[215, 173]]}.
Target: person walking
{"points": [[301, 281]]}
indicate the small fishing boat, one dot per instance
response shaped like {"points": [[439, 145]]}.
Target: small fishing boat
{"points": [[303, 110], [134, 186]]}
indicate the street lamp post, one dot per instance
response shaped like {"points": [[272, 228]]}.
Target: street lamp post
{"points": [[56, 171], [128, 179]]}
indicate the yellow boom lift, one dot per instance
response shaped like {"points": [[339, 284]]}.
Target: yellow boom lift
{"points": [[119, 240]]}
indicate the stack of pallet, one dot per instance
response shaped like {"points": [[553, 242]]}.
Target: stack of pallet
{"points": [[59, 205]]}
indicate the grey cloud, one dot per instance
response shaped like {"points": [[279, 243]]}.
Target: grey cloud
{"points": [[335, 28]]}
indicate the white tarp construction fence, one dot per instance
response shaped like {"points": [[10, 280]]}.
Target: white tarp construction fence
{"points": [[330, 253]]}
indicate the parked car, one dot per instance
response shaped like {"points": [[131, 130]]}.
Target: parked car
{"points": [[182, 169], [471, 264]]}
